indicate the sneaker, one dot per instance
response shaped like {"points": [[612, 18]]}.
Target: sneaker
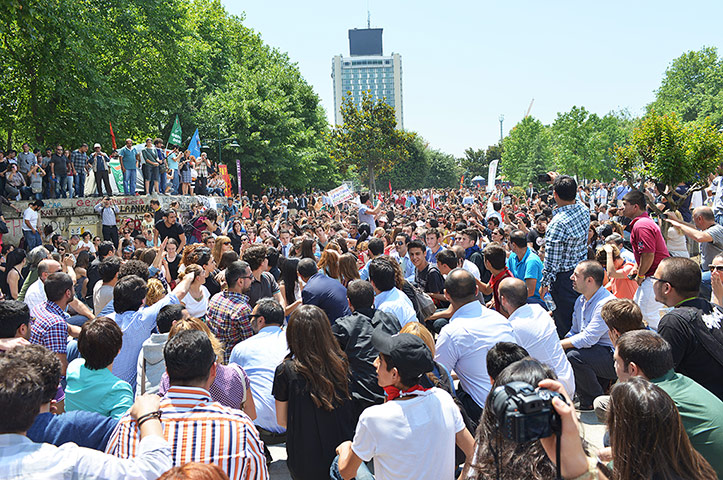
{"points": [[581, 407]]}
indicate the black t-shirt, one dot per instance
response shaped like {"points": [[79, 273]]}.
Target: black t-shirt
{"points": [[312, 433], [174, 231], [430, 280], [173, 267], [60, 162], [692, 342], [536, 238], [266, 287]]}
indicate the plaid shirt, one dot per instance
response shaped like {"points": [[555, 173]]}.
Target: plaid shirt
{"points": [[49, 327], [200, 430], [79, 159], [201, 168], [229, 318], [565, 241]]}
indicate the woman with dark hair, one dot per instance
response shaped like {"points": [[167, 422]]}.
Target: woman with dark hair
{"points": [[173, 260], [311, 388], [307, 248], [289, 284], [81, 274], [516, 460], [236, 235], [13, 273], [647, 437]]}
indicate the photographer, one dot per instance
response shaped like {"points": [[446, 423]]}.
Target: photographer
{"points": [[511, 459], [646, 434], [108, 215]]}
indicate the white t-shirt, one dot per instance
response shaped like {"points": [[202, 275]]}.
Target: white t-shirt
{"points": [[35, 295], [89, 245], [537, 334], [197, 308], [32, 216], [410, 439]]}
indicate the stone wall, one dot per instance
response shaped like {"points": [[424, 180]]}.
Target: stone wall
{"points": [[76, 215]]}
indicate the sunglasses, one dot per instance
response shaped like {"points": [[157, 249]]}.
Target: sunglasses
{"points": [[227, 243], [400, 243], [716, 268]]}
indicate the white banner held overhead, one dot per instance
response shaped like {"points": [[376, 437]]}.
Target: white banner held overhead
{"points": [[340, 195], [492, 176]]}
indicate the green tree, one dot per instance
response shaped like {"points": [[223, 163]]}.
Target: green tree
{"points": [[670, 152], [692, 87], [444, 171], [412, 172], [494, 152], [527, 152], [474, 162], [368, 142]]}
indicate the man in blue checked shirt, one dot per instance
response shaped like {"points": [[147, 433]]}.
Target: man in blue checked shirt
{"points": [[587, 345], [565, 247]]}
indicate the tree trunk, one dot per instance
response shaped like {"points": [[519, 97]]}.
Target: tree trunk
{"points": [[372, 182]]}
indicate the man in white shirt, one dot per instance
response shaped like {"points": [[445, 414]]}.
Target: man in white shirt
{"points": [[389, 298], [22, 391], [259, 356], [463, 344], [36, 292], [413, 434], [31, 225], [535, 330]]}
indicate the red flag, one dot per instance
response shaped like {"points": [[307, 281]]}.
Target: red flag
{"points": [[390, 187], [431, 201], [379, 196], [112, 135], [461, 182]]}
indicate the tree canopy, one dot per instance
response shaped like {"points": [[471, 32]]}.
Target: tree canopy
{"points": [[70, 67], [692, 87], [527, 152]]}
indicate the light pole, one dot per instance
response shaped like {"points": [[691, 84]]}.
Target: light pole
{"points": [[502, 119], [220, 141]]}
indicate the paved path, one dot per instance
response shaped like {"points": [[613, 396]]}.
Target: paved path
{"points": [[593, 432]]}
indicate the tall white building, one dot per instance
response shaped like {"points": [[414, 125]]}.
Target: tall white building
{"points": [[366, 69]]}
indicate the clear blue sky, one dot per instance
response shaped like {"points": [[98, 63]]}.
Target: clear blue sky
{"points": [[466, 62]]}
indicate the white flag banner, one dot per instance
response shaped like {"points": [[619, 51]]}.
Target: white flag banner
{"points": [[492, 175], [340, 194]]}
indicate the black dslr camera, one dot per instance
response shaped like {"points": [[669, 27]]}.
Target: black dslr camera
{"points": [[524, 414]]}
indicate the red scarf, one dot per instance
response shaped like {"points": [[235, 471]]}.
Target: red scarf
{"points": [[394, 392]]}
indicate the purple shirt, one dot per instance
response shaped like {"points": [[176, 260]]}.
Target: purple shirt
{"points": [[229, 388]]}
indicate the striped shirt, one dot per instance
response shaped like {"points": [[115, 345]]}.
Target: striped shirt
{"points": [[200, 430]]}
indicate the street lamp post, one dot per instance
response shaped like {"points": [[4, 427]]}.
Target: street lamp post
{"points": [[220, 141]]}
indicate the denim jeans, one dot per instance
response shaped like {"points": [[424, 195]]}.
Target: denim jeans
{"points": [[362, 473], [129, 181], [589, 364], [153, 178], [69, 188], [80, 184], [564, 297], [162, 178], [176, 181], [32, 240], [61, 183]]}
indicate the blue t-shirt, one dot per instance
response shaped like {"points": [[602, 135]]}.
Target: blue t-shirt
{"points": [[171, 162], [529, 267], [365, 217], [128, 158], [87, 429]]}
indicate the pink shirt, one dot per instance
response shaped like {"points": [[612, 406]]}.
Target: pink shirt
{"points": [[646, 237]]}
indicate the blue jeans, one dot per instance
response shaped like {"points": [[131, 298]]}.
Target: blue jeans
{"points": [[176, 181], [61, 182], [80, 184], [77, 320], [69, 186], [129, 181], [162, 176], [362, 474], [32, 240]]}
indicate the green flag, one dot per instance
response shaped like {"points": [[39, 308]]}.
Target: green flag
{"points": [[175, 137]]}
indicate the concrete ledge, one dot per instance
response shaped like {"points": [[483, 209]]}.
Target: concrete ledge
{"points": [[70, 216]]}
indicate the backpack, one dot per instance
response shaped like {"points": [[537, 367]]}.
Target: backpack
{"points": [[423, 304], [190, 229]]}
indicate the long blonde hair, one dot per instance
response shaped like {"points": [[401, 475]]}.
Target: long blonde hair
{"points": [[220, 240]]}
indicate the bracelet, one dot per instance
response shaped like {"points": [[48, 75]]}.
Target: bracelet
{"points": [[592, 472], [148, 416]]}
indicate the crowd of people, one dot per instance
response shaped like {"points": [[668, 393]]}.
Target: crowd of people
{"points": [[369, 337], [58, 172]]}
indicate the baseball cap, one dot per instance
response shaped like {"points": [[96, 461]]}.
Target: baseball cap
{"points": [[97, 145], [408, 352]]}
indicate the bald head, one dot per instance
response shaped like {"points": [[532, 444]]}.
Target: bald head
{"points": [[47, 267], [460, 286], [513, 293], [705, 214], [459, 251]]}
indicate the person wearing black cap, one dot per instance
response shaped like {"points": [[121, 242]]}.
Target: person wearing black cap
{"points": [[414, 433]]}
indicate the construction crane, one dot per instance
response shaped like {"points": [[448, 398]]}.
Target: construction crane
{"points": [[529, 108]]}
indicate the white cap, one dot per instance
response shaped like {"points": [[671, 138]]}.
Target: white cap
{"points": [[97, 145]]}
